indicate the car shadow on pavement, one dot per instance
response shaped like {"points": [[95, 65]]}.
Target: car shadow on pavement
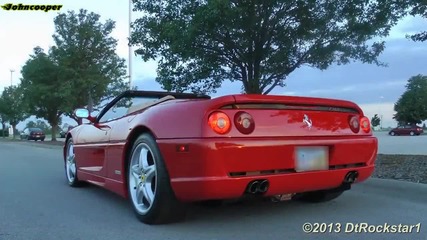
{"points": [[231, 211]]}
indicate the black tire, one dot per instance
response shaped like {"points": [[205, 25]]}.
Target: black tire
{"points": [[75, 182], [211, 203], [165, 207], [318, 196]]}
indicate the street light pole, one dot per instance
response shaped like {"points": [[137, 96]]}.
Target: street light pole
{"points": [[130, 47], [11, 76], [381, 115]]}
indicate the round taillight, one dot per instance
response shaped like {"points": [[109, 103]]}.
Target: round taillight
{"points": [[219, 122], [244, 122], [365, 124], [354, 123]]}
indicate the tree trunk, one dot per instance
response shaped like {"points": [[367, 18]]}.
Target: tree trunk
{"points": [[90, 103], [13, 130], [53, 121], [53, 132], [2, 129], [253, 88]]}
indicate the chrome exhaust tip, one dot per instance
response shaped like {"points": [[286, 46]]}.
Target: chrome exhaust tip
{"points": [[263, 186], [351, 177], [253, 187]]}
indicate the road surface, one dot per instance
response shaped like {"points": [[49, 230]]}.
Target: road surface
{"points": [[36, 203], [411, 145]]}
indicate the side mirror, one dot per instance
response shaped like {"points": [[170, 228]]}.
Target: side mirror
{"points": [[82, 113]]}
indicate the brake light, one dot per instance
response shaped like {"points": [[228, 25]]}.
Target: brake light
{"points": [[219, 122], [365, 124], [354, 123], [244, 122]]}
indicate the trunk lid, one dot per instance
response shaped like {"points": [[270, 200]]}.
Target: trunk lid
{"points": [[290, 116]]}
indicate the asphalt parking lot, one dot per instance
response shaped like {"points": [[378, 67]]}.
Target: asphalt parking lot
{"points": [[36, 203], [408, 145]]}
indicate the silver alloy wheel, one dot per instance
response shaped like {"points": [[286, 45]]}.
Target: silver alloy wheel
{"points": [[412, 133], [70, 163], [142, 178]]}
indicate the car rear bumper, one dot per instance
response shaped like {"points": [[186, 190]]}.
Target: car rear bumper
{"points": [[222, 168], [36, 137]]}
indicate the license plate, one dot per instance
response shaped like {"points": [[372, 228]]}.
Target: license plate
{"points": [[311, 159]]}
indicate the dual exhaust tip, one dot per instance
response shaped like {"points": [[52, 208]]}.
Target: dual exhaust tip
{"points": [[261, 186], [258, 186], [351, 177]]}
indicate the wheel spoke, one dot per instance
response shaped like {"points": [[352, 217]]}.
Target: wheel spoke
{"points": [[143, 159], [136, 174], [73, 168], [139, 194], [148, 193], [150, 173], [70, 158]]}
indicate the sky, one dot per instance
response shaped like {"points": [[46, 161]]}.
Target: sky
{"points": [[374, 88]]}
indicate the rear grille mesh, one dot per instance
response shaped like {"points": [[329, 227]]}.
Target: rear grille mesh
{"points": [[287, 171]]}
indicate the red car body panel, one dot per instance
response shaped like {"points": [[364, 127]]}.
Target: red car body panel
{"points": [[221, 166], [204, 172]]}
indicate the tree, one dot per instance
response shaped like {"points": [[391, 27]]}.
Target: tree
{"points": [[31, 124], [199, 44], [418, 8], [3, 118], [424, 126], [85, 52], [38, 124], [375, 121], [14, 106], [411, 107], [44, 92]]}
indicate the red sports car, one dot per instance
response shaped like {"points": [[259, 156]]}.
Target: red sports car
{"points": [[162, 150]]}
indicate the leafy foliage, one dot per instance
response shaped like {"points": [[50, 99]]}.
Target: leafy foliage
{"points": [[44, 91], [3, 118], [418, 8], [411, 108], [14, 108], [85, 53], [202, 43], [375, 120], [81, 69], [38, 124]]}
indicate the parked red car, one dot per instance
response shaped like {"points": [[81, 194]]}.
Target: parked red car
{"points": [[407, 130], [162, 149]]}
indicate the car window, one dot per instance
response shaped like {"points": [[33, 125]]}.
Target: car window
{"points": [[123, 107]]}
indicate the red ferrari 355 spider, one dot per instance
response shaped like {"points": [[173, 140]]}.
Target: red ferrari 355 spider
{"points": [[162, 149]]}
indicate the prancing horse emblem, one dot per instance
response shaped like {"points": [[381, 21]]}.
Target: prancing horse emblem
{"points": [[307, 121]]}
